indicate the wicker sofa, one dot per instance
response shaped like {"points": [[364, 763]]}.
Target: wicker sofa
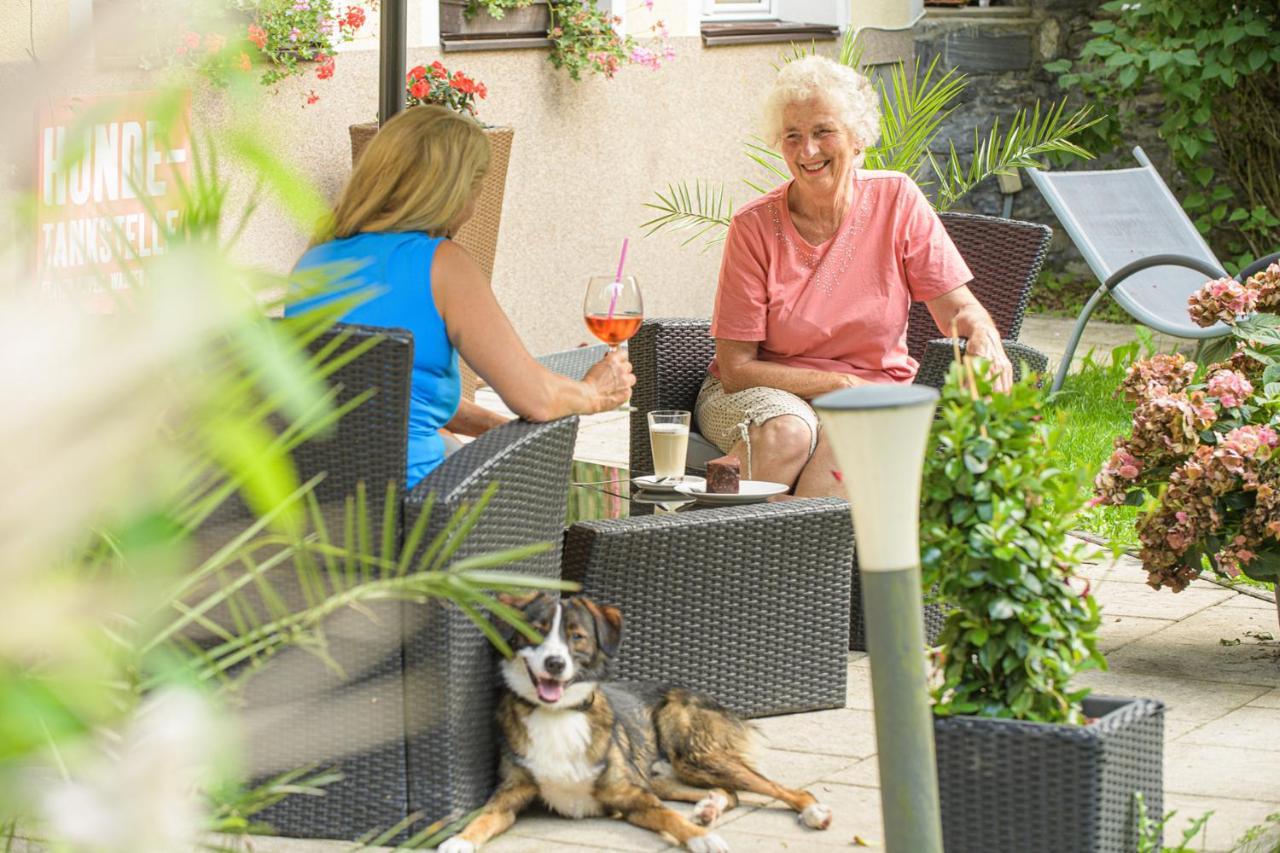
{"points": [[407, 719]]}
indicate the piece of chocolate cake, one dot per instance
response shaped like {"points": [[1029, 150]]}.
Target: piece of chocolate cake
{"points": [[722, 476]]}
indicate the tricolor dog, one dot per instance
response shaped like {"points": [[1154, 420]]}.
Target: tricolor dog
{"points": [[588, 748]]}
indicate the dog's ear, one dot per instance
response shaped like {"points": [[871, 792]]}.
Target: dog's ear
{"points": [[608, 625], [516, 602]]}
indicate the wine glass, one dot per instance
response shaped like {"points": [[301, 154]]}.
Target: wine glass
{"points": [[612, 308]]}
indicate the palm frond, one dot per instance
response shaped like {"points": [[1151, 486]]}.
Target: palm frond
{"points": [[913, 108], [1030, 135], [704, 210]]}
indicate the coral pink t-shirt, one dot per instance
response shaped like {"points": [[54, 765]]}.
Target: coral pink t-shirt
{"points": [[841, 306]]}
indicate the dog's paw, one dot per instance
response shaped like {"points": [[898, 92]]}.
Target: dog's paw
{"points": [[816, 816], [709, 809], [709, 843], [456, 845]]}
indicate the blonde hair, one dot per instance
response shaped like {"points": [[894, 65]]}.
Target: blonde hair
{"points": [[853, 94], [418, 173]]}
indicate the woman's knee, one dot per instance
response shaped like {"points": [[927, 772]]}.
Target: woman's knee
{"points": [[784, 436]]}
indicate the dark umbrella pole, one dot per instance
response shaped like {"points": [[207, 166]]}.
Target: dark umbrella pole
{"points": [[392, 58]]}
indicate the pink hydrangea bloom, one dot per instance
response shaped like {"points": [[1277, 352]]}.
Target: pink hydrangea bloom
{"points": [[1231, 388]]}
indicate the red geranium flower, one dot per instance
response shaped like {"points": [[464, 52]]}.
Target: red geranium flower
{"points": [[420, 90], [355, 17], [258, 36], [325, 68], [438, 71], [312, 98], [482, 90], [417, 72]]}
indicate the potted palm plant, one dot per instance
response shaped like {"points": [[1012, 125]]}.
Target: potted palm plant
{"points": [[1025, 762]]}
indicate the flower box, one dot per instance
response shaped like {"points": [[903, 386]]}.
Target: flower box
{"points": [[1009, 785], [533, 19]]}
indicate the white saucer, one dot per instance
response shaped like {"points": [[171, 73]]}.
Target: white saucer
{"points": [[749, 492], [649, 483]]}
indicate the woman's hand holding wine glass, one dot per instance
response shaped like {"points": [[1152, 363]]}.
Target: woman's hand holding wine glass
{"points": [[612, 379]]}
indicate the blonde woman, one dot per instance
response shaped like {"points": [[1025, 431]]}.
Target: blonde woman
{"points": [[817, 279], [414, 186]]}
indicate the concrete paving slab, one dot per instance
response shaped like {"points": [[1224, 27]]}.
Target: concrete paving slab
{"points": [[1188, 701], [800, 769], [1116, 632], [1112, 572], [1249, 602], [1248, 728], [1230, 820], [1248, 625], [746, 842], [1268, 700], [1241, 665], [856, 812], [866, 773], [601, 833], [858, 687], [1128, 599], [1221, 771], [844, 732]]}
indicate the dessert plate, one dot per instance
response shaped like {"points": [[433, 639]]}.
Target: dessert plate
{"points": [[749, 492]]}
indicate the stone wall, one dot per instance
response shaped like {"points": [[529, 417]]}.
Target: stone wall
{"points": [[1002, 50]]}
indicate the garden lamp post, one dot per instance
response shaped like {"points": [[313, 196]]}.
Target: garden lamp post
{"points": [[392, 55], [879, 434]]}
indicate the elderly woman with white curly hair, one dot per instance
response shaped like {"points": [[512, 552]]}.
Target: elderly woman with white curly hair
{"points": [[817, 280]]}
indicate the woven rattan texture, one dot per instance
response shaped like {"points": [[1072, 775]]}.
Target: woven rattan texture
{"points": [[939, 355], [1009, 786], [450, 667], [749, 604], [670, 358], [573, 363], [934, 618], [1005, 257], [359, 710]]}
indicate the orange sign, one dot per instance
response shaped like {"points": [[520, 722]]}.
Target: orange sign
{"points": [[107, 190]]}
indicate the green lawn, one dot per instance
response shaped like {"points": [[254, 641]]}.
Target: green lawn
{"points": [[1094, 417]]}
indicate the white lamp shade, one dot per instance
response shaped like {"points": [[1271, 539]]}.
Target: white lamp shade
{"points": [[879, 434]]}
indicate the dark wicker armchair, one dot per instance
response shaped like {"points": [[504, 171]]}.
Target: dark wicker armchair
{"points": [[748, 603], [407, 722]]}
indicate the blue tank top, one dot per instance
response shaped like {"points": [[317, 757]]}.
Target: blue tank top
{"points": [[398, 264]]}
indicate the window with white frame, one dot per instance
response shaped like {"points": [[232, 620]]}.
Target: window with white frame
{"points": [[754, 21], [738, 10]]}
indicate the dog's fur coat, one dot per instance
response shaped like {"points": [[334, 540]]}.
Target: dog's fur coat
{"points": [[586, 748]]}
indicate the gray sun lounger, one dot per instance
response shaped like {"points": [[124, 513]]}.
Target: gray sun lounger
{"points": [[1140, 244]]}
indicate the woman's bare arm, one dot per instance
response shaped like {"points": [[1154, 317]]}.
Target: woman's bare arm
{"points": [[740, 369], [473, 419], [958, 313], [481, 331]]}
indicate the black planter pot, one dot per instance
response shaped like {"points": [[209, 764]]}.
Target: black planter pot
{"points": [[1009, 786]]}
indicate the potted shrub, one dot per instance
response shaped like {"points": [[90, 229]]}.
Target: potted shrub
{"points": [[435, 84], [1203, 455], [1025, 762]]}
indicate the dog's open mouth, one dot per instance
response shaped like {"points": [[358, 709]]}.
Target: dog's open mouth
{"points": [[550, 690]]}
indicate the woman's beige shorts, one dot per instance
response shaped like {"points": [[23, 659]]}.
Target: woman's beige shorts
{"points": [[724, 419]]}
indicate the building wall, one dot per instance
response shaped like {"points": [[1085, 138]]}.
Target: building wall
{"points": [[587, 156]]}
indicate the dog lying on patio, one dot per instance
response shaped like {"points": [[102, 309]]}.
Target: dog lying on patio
{"points": [[586, 748]]}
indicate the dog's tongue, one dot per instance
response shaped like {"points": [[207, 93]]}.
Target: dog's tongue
{"points": [[550, 690]]}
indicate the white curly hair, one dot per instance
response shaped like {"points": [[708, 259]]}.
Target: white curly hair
{"points": [[853, 94]]}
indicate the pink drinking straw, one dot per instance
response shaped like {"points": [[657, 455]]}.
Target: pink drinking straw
{"points": [[617, 279]]}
